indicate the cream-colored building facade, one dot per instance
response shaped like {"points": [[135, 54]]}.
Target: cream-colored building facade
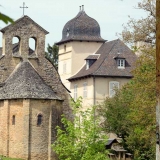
{"points": [[71, 58], [89, 66]]}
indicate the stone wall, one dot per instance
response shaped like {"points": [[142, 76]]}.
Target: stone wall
{"points": [[25, 139]]}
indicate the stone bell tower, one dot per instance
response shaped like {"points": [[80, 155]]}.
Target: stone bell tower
{"points": [[32, 97]]}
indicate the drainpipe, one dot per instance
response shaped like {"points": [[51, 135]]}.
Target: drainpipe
{"points": [[94, 94]]}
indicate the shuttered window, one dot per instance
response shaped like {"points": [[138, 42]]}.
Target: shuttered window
{"points": [[113, 85], [75, 92], [85, 90]]}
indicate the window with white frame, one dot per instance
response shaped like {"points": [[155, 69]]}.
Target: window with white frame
{"points": [[113, 85], [75, 91], [85, 90], [64, 67], [87, 64], [121, 63]]}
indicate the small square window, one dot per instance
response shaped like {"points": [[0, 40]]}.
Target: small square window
{"points": [[121, 63]]}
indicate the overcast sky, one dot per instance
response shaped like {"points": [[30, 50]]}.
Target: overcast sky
{"points": [[53, 14]]}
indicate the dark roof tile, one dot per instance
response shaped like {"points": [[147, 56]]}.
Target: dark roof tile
{"points": [[93, 56], [81, 28], [25, 82]]}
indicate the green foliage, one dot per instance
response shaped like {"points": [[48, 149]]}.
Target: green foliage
{"points": [[6, 19], [52, 54], [7, 158], [82, 139], [131, 112]]}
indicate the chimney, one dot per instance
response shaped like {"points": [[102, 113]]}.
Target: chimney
{"points": [[79, 8], [82, 7]]}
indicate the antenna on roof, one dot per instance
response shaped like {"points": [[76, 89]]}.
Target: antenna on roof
{"points": [[82, 7]]}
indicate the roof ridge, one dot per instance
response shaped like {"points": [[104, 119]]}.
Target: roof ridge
{"points": [[105, 56], [18, 20]]}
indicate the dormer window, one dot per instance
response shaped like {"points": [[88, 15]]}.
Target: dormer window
{"points": [[87, 64], [90, 60], [121, 63]]}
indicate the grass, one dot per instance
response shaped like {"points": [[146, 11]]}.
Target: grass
{"points": [[7, 158]]}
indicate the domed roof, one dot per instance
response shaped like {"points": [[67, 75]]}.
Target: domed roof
{"points": [[81, 28]]}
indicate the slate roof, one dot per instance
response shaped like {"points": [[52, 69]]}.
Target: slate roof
{"points": [[93, 56], [110, 141], [115, 145], [24, 17], [81, 28], [15, 50], [106, 64], [25, 82]]}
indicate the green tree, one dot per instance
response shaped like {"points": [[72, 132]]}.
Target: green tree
{"points": [[6, 19], [83, 138], [131, 112], [52, 54]]}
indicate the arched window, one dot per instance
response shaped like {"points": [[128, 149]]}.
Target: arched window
{"points": [[15, 45], [32, 45], [39, 119], [13, 119]]}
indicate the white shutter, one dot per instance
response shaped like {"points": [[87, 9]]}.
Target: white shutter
{"points": [[85, 90], [75, 92], [112, 86]]}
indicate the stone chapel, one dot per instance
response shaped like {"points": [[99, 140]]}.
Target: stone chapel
{"points": [[32, 96]]}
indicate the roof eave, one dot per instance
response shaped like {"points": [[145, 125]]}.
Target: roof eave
{"points": [[81, 40], [92, 75], [58, 99]]}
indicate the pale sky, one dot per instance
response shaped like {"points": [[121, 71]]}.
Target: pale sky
{"points": [[52, 15]]}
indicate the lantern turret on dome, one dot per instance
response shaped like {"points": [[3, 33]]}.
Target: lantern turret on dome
{"points": [[81, 28]]}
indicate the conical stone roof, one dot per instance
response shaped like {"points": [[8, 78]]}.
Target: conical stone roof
{"points": [[25, 82], [81, 28]]}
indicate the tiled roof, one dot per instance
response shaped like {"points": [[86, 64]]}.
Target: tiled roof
{"points": [[81, 28], [25, 82], [106, 64], [93, 56], [110, 141]]}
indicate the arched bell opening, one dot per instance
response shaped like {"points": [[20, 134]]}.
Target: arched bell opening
{"points": [[16, 45], [32, 45]]}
